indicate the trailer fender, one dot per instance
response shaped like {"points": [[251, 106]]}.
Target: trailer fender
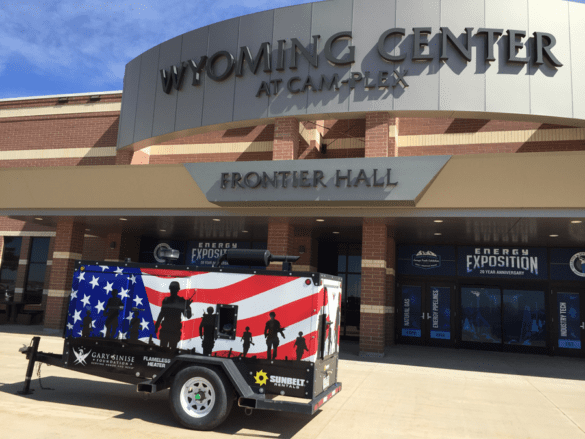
{"points": [[225, 365]]}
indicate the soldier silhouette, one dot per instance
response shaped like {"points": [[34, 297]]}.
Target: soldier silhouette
{"points": [[329, 334], [86, 325], [207, 331], [301, 345], [134, 327], [112, 311], [247, 339], [169, 319], [271, 334]]}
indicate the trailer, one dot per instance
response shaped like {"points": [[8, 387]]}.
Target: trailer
{"points": [[234, 332]]}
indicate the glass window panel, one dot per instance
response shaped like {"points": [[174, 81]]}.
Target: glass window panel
{"points": [[353, 288], [410, 321], [39, 250], [11, 253], [9, 267], [481, 315], [354, 282], [341, 263], [354, 264], [36, 277], [569, 318], [524, 318], [440, 313]]}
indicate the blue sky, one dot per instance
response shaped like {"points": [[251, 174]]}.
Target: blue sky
{"points": [[60, 47]]}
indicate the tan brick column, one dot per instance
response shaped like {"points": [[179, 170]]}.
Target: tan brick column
{"points": [[373, 289], [67, 249], [286, 139], [22, 269], [390, 287], [280, 239], [380, 132], [113, 254], [47, 283]]}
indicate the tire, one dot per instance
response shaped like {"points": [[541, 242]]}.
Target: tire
{"points": [[216, 397]]}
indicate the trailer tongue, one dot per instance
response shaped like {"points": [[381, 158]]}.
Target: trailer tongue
{"points": [[211, 335]]}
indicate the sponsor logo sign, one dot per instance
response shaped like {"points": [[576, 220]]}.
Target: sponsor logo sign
{"points": [[426, 260], [522, 263], [262, 378], [577, 264]]}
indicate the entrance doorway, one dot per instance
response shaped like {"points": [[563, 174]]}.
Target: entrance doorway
{"points": [[345, 260], [426, 313]]}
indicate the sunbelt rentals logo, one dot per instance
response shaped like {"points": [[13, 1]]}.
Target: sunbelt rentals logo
{"points": [[262, 378]]}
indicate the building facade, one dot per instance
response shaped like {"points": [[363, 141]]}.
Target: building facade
{"points": [[428, 153]]}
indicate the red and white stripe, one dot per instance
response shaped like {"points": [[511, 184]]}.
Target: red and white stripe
{"points": [[296, 304]]}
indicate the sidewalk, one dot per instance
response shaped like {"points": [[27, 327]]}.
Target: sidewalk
{"points": [[413, 392]]}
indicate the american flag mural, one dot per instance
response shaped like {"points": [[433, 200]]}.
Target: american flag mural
{"points": [[174, 308]]}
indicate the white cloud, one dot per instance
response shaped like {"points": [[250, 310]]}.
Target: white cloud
{"points": [[96, 39]]}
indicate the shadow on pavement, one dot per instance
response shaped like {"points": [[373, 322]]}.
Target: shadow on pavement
{"points": [[473, 361], [152, 408]]}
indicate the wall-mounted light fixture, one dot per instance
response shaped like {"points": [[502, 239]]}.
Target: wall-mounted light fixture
{"points": [[112, 245], [301, 249]]}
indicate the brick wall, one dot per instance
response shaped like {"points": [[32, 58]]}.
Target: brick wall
{"points": [[419, 126], [286, 139], [373, 287], [378, 141], [94, 248], [47, 283], [22, 271], [390, 288], [308, 260], [209, 158], [54, 101], [68, 246], [529, 137], [12, 225], [280, 239]]}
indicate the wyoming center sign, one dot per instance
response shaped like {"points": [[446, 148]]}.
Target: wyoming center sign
{"points": [[342, 58]]}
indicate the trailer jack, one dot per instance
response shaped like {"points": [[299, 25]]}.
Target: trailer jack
{"points": [[31, 353]]}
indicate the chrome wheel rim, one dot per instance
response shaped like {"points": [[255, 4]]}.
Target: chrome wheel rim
{"points": [[197, 397]]}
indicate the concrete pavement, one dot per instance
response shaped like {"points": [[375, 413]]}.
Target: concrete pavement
{"points": [[413, 392]]}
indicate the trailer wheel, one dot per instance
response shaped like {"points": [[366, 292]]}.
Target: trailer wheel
{"points": [[201, 399]]}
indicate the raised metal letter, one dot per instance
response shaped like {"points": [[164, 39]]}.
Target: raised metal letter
{"points": [[420, 41], [349, 59], [313, 58], [382, 41], [514, 45], [264, 53], [447, 35], [542, 49], [229, 69], [490, 41]]}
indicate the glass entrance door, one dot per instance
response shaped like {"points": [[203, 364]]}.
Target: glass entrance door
{"points": [[426, 313], [568, 322]]}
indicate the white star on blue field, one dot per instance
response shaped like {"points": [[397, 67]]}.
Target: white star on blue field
{"points": [[91, 303], [67, 46]]}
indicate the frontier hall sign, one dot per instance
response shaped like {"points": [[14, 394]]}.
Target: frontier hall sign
{"points": [[340, 180], [222, 64]]}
